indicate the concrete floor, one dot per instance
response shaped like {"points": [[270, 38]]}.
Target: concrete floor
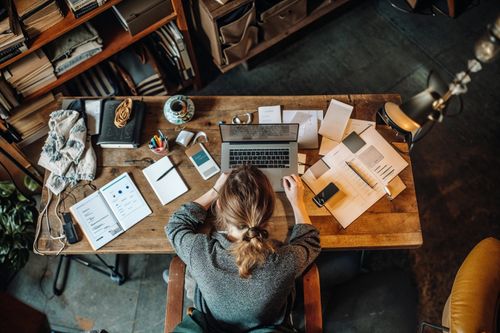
{"points": [[368, 47]]}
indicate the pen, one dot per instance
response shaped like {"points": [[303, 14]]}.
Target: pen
{"points": [[359, 174], [166, 172]]}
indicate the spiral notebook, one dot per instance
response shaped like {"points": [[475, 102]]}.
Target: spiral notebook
{"points": [[170, 186]]}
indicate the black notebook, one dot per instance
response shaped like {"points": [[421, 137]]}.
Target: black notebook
{"points": [[128, 136]]}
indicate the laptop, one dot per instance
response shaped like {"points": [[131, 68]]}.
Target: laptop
{"points": [[272, 148]]}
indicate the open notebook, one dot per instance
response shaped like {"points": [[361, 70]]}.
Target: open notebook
{"points": [[169, 186], [110, 211]]}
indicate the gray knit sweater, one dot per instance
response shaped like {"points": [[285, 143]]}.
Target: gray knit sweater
{"points": [[232, 303]]}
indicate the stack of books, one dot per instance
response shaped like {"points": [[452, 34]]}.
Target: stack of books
{"points": [[30, 73], [12, 40], [171, 41], [81, 7], [8, 99], [38, 15]]}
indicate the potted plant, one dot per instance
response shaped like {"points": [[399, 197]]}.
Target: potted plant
{"points": [[17, 223]]}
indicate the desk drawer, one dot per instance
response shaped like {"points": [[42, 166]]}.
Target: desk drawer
{"points": [[282, 16]]}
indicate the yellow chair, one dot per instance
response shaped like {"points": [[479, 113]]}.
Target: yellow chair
{"points": [[474, 302], [175, 297]]}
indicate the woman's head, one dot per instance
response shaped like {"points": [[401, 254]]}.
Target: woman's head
{"points": [[245, 204]]}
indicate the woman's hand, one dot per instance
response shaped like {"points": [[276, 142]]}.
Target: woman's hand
{"points": [[294, 190]]}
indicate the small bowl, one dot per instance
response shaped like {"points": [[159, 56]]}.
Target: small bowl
{"points": [[162, 150]]}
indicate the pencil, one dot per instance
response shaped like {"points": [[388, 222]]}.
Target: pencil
{"points": [[166, 172]]}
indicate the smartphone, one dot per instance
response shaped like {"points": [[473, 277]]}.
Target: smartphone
{"points": [[202, 161], [323, 196]]}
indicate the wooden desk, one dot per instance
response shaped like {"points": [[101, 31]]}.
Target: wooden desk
{"points": [[387, 224]]}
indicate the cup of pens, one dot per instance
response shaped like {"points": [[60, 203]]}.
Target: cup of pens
{"points": [[159, 144]]}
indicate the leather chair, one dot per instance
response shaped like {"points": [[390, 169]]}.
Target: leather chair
{"points": [[474, 302], [175, 297]]}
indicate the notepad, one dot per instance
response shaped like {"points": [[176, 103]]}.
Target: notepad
{"points": [[109, 212], [170, 186]]}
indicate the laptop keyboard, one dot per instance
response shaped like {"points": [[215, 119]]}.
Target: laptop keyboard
{"points": [[261, 158]]}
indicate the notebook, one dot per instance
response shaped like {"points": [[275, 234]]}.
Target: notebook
{"points": [[168, 187], [110, 211], [129, 136]]}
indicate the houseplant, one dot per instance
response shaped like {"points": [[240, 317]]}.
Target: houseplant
{"points": [[17, 222]]}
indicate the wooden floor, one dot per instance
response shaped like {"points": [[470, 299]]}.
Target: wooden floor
{"points": [[369, 47]]}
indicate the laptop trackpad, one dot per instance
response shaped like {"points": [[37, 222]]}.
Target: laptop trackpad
{"points": [[275, 177]]}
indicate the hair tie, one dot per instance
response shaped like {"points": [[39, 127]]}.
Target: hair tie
{"points": [[253, 232]]}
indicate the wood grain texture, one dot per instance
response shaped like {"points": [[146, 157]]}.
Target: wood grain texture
{"points": [[312, 300], [387, 224], [175, 294]]}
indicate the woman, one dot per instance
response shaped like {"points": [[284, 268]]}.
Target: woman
{"points": [[244, 279]]}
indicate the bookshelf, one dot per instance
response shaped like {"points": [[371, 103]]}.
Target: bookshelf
{"points": [[115, 39], [210, 11], [67, 24]]}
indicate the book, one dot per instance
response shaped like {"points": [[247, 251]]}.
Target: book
{"points": [[110, 211], [170, 186], [136, 16], [128, 136]]}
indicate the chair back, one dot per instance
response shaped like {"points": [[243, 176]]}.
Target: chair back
{"points": [[473, 304]]}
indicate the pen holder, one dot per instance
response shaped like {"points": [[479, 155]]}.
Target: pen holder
{"points": [[159, 145]]}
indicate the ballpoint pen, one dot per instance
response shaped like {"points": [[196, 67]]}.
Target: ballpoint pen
{"points": [[166, 172], [359, 174]]}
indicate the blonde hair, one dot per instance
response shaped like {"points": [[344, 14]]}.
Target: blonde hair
{"points": [[246, 201]]}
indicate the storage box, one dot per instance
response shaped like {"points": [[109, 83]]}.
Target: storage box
{"points": [[282, 16], [137, 15]]}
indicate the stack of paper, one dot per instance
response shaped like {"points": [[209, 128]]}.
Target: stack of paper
{"points": [[171, 40], [39, 15], [81, 7], [30, 73], [12, 40], [362, 167]]}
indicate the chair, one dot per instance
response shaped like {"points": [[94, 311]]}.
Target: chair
{"points": [[474, 301], [175, 297]]}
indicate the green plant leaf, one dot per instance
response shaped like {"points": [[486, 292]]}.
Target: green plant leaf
{"points": [[6, 189], [30, 184]]}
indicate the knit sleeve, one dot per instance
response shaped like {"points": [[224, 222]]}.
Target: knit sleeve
{"points": [[305, 246], [181, 229]]}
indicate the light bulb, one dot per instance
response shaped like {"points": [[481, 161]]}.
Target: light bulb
{"points": [[487, 47]]}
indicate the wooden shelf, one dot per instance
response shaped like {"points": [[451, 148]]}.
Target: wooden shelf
{"points": [[313, 16], [114, 38], [68, 23]]}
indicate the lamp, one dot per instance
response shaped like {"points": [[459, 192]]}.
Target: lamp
{"points": [[429, 106]]}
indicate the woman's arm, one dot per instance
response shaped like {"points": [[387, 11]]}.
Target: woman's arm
{"points": [[182, 226], [294, 190], [207, 199]]}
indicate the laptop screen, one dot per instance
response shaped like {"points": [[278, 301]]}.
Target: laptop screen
{"points": [[259, 132]]}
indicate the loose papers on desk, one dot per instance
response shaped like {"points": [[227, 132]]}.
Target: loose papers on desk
{"points": [[371, 156], [309, 121], [336, 118], [353, 125]]}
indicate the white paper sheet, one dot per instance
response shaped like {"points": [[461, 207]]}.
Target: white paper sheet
{"points": [[309, 121], [377, 161], [93, 110], [125, 201], [170, 186], [353, 125], [270, 114], [335, 122]]}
